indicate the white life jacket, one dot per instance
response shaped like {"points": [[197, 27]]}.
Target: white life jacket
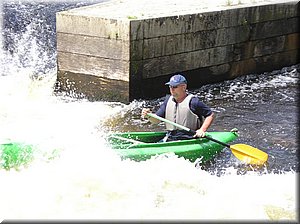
{"points": [[181, 113]]}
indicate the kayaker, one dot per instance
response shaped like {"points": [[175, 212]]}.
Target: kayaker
{"points": [[183, 108]]}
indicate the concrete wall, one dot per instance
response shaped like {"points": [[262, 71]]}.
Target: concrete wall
{"points": [[126, 59], [93, 56]]}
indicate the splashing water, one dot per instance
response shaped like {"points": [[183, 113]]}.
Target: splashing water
{"points": [[75, 175]]}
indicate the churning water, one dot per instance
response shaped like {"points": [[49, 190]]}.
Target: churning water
{"points": [[75, 175]]}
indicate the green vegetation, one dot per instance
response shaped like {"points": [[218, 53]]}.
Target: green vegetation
{"points": [[132, 17], [15, 155]]}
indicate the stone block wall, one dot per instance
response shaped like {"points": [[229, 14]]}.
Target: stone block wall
{"points": [[93, 56], [126, 59]]}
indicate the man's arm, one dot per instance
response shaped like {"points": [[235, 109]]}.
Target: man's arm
{"points": [[201, 109], [153, 120], [161, 111], [206, 124]]}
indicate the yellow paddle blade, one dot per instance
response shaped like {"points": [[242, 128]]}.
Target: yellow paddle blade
{"points": [[249, 154]]}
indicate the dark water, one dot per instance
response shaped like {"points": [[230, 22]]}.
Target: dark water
{"points": [[263, 107]]}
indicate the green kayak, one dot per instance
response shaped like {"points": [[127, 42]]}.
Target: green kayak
{"points": [[141, 146]]}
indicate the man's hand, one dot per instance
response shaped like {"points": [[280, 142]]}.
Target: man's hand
{"points": [[200, 133], [145, 111]]}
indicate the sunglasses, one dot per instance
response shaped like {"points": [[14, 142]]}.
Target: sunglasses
{"points": [[173, 87]]}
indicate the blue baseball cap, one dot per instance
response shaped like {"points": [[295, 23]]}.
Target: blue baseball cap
{"points": [[176, 80]]}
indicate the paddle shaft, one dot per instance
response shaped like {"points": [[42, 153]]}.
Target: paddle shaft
{"points": [[243, 152], [217, 141], [170, 122], [185, 128]]}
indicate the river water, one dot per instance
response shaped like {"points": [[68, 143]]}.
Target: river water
{"points": [[75, 175]]}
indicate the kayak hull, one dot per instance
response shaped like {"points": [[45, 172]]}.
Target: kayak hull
{"points": [[140, 146]]}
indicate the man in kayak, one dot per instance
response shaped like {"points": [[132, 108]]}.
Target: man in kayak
{"points": [[183, 108]]}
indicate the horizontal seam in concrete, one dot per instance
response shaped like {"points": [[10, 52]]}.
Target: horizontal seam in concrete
{"points": [[217, 28], [265, 38], [217, 46], [104, 38], [264, 55], [113, 59], [244, 59]]}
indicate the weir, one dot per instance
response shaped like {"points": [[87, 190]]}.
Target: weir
{"points": [[121, 50]]}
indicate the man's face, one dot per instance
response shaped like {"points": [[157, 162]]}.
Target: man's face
{"points": [[177, 91]]}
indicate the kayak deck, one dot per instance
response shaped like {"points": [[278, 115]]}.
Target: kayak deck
{"points": [[141, 146]]}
